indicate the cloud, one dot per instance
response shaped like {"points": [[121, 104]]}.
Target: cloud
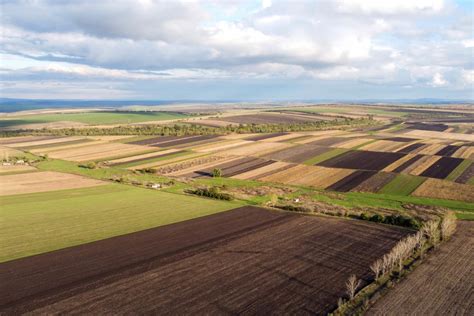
{"points": [[419, 43]]}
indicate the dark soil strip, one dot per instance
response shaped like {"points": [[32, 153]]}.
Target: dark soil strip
{"points": [[266, 136], [410, 148], [428, 127], [407, 163], [365, 160], [375, 183], [351, 181], [38, 274], [147, 158], [401, 139], [263, 175], [466, 175], [448, 150], [330, 141], [234, 168], [441, 168], [231, 173], [245, 261]]}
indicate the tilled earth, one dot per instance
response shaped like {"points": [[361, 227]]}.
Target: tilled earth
{"points": [[248, 260]]}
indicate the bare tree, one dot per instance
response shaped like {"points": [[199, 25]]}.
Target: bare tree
{"points": [[376, 268], [431, 230], [448, 226], [351, 285]]}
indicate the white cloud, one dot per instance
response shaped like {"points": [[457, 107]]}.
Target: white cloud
{"points": [[438, 80]]}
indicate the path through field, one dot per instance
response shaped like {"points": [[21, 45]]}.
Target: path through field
{"points": [[443, 285]]}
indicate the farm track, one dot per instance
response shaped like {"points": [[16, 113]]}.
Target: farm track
{"points": [[443, 285], [267, 261]]}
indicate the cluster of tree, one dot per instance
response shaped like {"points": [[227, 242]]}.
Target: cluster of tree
{"points": [[195, 129], [398, 220], [212, 192]]}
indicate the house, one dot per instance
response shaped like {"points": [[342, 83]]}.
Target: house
{"points": [[155, 185]]}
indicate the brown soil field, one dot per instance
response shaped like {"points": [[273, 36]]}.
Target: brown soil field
{"points": [[400, 162], [233, 168], [428, 127], [60, 146], [297, 154], [110, 138], [7, 152], [104, 151], [439, 189], [221, 145], [328, 141], [143, 156], [466, 175], [351, 181], [413, 148], [157, 140], [43, 181], [269, 118], [448, 150], [15, 168], [408, 163], [443, 285], [210, 122], [289, 137], [442, 168], [165, 162], [365, 160], [384, 145], [422, 164], [401, 139], [375, 183], [244, 261], [260, 172], [315, 176], [440, 135], [191, 165], [188, 142], [256, 149]]}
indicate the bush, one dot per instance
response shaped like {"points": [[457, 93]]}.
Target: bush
{"points": [[213, 193], [89, 165], [217, 173], [376, 218]]}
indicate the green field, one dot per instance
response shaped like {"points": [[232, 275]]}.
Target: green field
{"points": [[42, 222], [403, 184], [459, 170], [325, 156], [92, 118]]}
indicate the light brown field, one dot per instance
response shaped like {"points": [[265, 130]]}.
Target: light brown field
{"points": [[224, 145], [142, 156], [260, 171], [256, 149], [353, 142], [443, 285], [166, 161], [110, 138], [205, 165], [282, 137], [42, 182], [466, 152], [425, 164], [435, 188], [431, 149], [45, 141], [319, 177], [15, 168], [7, 152], [398, 163], [384, 145], [211, 122], [440, 135], [58, 146], [93, 152]]}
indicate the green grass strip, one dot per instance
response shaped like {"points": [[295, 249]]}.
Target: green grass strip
{"points": [[325, 156], [459, 170], [402, 184]]}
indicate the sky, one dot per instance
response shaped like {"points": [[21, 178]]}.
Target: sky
{"points": [[237, 50]]}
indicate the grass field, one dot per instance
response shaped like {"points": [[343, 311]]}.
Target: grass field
{"points": [[403, 184], [93, 118], [42, 222]]}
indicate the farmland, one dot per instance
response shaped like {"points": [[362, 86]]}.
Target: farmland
{"points": [[282, 253], [281, 206]]}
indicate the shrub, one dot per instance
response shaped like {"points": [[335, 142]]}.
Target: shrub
{"points": [[89, 165], [213, 193], [217, 173]]}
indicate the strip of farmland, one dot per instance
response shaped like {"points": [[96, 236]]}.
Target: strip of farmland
{"points": [[375, 183], [134, 162], [265, 136], [411, 148], [351, 181], [297, 154], [407, 163], [268, 118], [442, 168], [268, 262], [467, 175], [365, 160], [440, 286], [448, 151], [234, 167], [439, 189]]}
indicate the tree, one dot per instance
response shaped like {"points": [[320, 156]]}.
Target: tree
{"points": [[352, 285], [217, 173], [448, 226], [376, 268]]}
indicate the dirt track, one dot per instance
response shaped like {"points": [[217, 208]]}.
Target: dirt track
{"points": [[247, 261], [444, 285]]}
